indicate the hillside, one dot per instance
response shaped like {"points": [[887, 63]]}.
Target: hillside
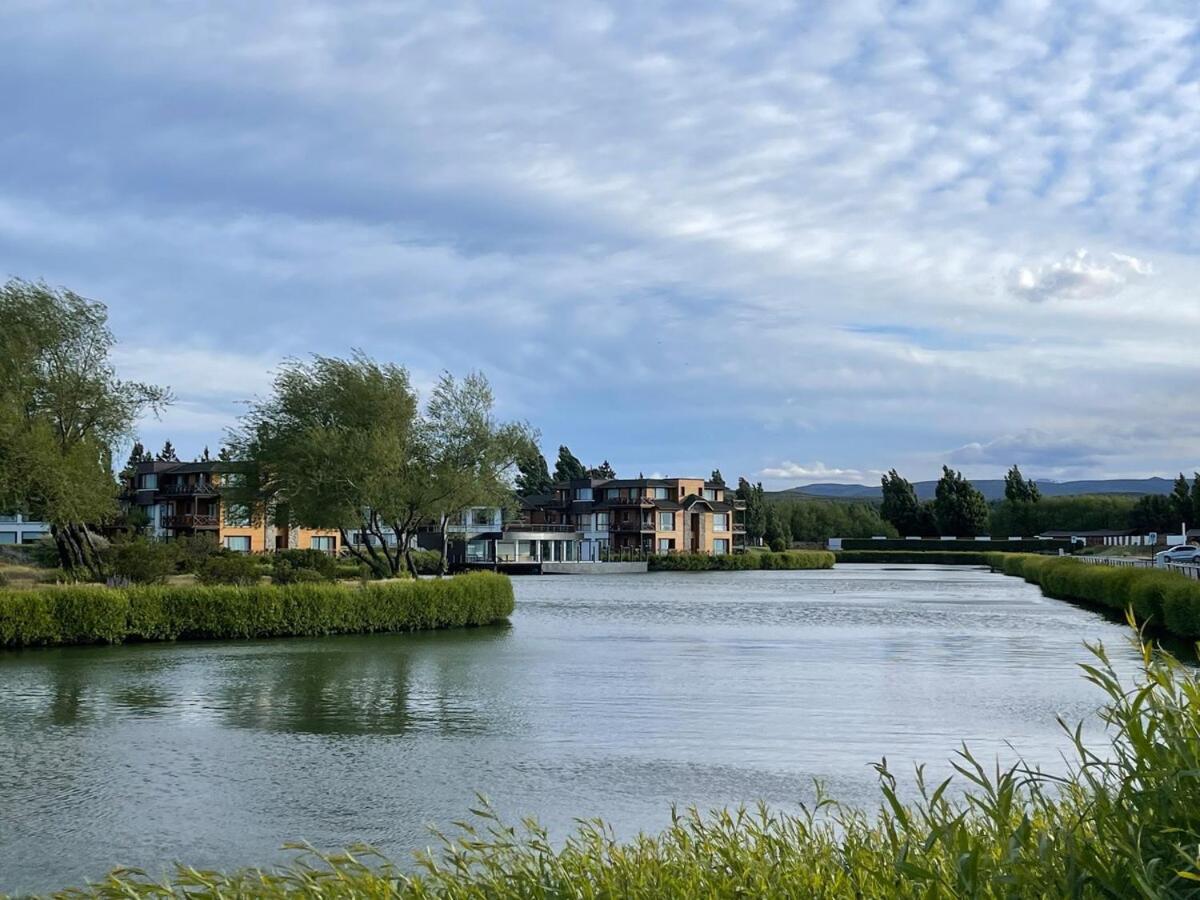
{"points": [[992, 488]]}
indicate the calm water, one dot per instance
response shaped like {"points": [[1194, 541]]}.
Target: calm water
{"points": [[612, 696]]}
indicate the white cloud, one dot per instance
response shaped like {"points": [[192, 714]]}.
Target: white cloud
{"points": [[1078, 276], [811, 471]]}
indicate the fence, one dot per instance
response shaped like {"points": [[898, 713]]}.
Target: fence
{"points": [[1189, 570]]}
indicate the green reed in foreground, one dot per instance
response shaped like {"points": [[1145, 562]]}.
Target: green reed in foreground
{"points": [[1124, 822]]}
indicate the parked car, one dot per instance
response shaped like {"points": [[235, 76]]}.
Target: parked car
{"points": [[1182, 553]]}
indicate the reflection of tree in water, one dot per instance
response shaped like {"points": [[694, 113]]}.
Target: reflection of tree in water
{"points": [[386, 684], [67, 705]]}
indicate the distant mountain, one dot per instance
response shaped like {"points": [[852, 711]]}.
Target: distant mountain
{"points": [[992, 488]]}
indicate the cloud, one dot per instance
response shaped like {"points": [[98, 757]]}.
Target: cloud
{"points": [[816, 470], [1044, 450], [1078, 276]]}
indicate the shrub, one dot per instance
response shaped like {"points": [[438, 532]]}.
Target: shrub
{"points": [[141, 561], [229, 568], [285, 563], [427, 562], [778, 544], [191, 552], [701, 562], [83, 614], [914, 557], [44, 552]]}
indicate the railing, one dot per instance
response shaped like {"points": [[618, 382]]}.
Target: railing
{"points": [[631, 526], [522, 527], [190, 521], [1190, 570], [205, 488]]}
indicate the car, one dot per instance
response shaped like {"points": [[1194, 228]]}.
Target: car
{"points": [[1182, 553]]}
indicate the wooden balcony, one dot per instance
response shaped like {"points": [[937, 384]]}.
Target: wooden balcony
{"points": [[191, 521]]}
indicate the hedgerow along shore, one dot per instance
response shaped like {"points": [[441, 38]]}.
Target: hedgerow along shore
{"points": [[92, 614]]}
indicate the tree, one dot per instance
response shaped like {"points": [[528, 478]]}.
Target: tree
{"points": [[533, 475], [341, 444], [204, 457], [136, 455], [900, 505], [1181, 500], [467, 456], [63, 413], [961, 510], [604, 471], [756, 513], [778, 532], [1018, 490], [167, 453], [1153, 513], [715, 477], [568, 466], [1196, 498]]}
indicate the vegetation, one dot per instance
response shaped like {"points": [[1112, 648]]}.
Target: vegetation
{"points": [[697, 562], [811, 521], [1162, 599], [342, 444], [1123, 822], [917, 557], [533, 475], [756, 510], [230, 568], [63, 414], [1083, 513], [959, 507], [87, 614], [568, 466]]}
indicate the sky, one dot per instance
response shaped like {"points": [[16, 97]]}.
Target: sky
{"points": [[798, 242]]}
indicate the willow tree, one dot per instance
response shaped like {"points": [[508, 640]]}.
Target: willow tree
{"points": [[63, 414], [342, 444]]}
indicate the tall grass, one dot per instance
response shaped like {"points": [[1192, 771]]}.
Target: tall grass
{"points": [[85, 614], [1123, 822], [703, 562]]}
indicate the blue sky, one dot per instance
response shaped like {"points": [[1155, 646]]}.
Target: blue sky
{"points": [[798, 242]]}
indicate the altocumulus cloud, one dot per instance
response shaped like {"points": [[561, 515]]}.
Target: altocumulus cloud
{"points": [[676, 236], [1079, 276]]}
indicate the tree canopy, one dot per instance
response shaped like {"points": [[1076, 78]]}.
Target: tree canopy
{"points": [[568, 465], [533, 475], [900, 506], [63, 413], [960, 508]]}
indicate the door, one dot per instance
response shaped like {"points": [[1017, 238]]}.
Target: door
{"points": [[695, 532]]}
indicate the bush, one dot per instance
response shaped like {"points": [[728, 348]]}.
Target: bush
{"points": [[1121, 822], [970, 545], [701, 562], [44, 553], [88, 614], [914, 557], [191, 552], [427, 562], [778, 544], [141, 561], [229, 568]]}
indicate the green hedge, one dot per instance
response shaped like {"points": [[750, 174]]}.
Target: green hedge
{"points": [[89, 614], [701, 562], [917, 557], [969, 545], [1165, 600]]}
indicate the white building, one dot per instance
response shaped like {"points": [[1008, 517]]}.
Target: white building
{"points": [[18, 529]]}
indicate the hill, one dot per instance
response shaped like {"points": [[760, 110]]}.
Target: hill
{"points": [[992, 488]]}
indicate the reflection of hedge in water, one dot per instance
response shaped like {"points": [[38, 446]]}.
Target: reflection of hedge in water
{"points": [[1165, 599], [85, 614], [700, 562], [1121, 823]]}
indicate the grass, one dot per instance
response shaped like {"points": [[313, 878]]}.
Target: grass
{"points": [[90, 614], [1123, 822]]}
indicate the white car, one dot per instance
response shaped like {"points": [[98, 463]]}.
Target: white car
{"points": [[1183, 553]]}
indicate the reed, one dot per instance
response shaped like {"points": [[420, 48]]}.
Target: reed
{"points": [[90, 614]]}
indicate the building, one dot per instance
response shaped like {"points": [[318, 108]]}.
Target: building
{"points": [[181, 499], [592, 519], [16, 528]]}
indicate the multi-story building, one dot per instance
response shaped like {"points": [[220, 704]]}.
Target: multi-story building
{"points": [[184, 498], [16, 528], [591, 519]]}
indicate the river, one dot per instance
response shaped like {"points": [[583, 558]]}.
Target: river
{"points": [[611, 696]]}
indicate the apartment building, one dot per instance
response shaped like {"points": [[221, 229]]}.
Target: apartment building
{"points": [[16, 528], [184, 498], [646, 515]]}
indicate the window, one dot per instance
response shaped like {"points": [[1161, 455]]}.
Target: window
{"points": [[659, 493], [614, 493], [325, 543], [238, 543], [710, 494], [720, 522], [666, 521], [237, 515], [666, 545], [602, 519], [583, 493], [482, 517], [720, 547], [8, 517], [148, 482], [8, 537], [478, 551]]}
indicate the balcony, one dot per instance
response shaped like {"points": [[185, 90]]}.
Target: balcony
{"points": [[643, 525], [522, 527], [191, 521], [200, 489]]}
